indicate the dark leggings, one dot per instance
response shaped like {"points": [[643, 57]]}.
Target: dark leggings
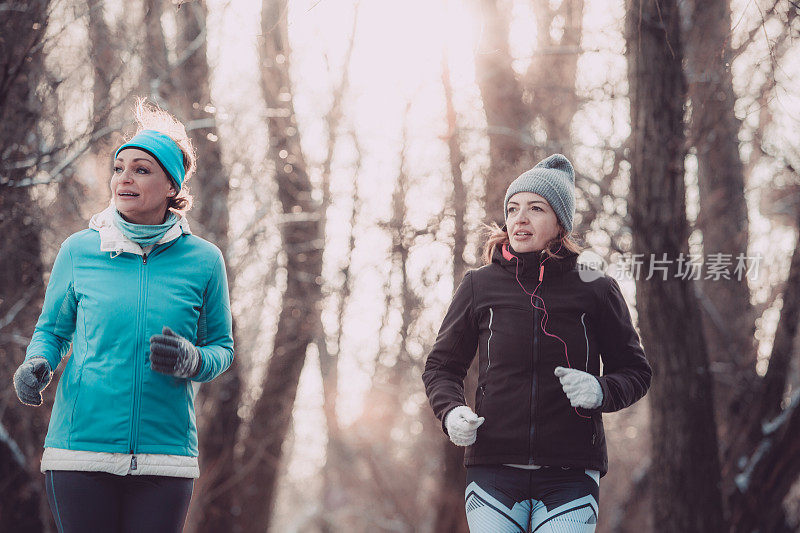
{"points": [[98, 501]]}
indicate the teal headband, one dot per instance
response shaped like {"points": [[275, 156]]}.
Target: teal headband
{"points": [[163, 149]]}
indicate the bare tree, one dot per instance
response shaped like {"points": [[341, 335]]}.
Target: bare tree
{"points": [[156, 82], [23, 27], [508, 119], [192, 75], [682, 423], [757, 467], [393, 488], [336, 450], [543, 99], [106, 66], [729, 321], [329, 360], [450, 515], [214, 504], [301, 231], [550, 79], [767, 462]]}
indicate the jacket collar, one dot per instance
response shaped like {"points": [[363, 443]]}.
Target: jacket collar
{"points": [[530, 262], [112, 240]]}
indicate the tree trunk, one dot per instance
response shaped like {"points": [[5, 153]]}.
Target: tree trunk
{"points": [[390, 379], [335, 453], [685, 455], [744, 401], [106, 68], [298, 323], [156, 82], [450, 513], [728, 317], [756, 501], [507, 117], [21, 286], [550, 79], [219, 400], [762, 462], [193, 77]]}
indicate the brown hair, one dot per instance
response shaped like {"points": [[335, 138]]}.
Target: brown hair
{"points": [[152, 117], [497, 236]]}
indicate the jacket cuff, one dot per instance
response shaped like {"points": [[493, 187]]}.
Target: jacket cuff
{"points": [[202, 367], [199, 363], [33, 357], [447, 412], [605, 406]]}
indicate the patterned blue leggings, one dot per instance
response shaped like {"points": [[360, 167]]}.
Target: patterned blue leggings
{"points": [[504, 499]]}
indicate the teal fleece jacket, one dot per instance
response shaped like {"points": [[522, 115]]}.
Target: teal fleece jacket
{"points": [[107, 305]]}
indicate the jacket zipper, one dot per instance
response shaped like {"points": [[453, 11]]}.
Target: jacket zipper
{"points": [[138, 366], [534, 390]]}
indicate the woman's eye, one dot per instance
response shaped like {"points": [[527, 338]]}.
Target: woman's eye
{"points": [[512, 209], [117, 170], [142, 170]]}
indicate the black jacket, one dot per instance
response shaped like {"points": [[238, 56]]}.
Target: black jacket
{"points": [[529, 419]]}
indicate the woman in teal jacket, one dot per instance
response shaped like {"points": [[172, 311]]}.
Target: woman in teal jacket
{"points": [[144, 305]]}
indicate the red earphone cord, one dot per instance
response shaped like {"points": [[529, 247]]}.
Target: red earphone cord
{"points": [[545, 316]]}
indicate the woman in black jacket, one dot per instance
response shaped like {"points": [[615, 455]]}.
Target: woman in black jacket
{"points": [[541, 325]]}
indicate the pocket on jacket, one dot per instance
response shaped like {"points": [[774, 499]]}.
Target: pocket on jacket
{"points": [[101, 414], [165, 410], [480, 394], [507, 341], [598, 435]]}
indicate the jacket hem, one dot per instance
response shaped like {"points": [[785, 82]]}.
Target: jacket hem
{"points": [[120, 464], [591, 463]]}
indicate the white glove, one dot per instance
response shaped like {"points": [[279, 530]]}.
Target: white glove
{"points": [[462, 425], [582, 388]]}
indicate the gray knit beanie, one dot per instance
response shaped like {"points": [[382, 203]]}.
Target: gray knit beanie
{"points": [[554, 179]]}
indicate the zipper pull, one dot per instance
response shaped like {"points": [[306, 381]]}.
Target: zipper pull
{"points": [[144, 259], [133, 462], [541, 272]]}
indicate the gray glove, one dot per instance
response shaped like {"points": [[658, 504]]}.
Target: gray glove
{"points": [[172, 354], [30, 379]]}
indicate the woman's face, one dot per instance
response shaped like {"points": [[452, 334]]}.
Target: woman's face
{"points": [[140, 188], [531, 222]]}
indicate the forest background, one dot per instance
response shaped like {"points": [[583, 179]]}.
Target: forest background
{"points": [[350, 154]]}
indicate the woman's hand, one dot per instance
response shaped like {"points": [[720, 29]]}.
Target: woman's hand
{"points": [[462, 425], [582, 388], [30, 379], [172, 354]]}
